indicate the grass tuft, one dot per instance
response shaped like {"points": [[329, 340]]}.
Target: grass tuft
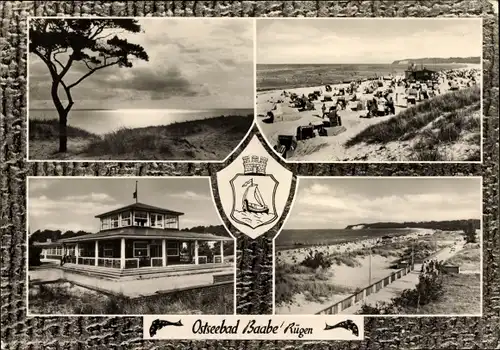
{"points": [[49, 130], [450, 113]]}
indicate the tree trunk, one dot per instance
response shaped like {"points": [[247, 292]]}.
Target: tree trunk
{"points": [[63, 117], [63, 132]]}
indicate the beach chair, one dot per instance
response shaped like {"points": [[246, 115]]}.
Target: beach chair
{"points": [[305, 132]]}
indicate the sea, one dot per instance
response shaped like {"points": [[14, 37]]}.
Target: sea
{"points": [[288, 76], [290, 239], [102, 121]]}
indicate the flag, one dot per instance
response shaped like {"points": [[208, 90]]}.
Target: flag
{"points": [[135, 193]]}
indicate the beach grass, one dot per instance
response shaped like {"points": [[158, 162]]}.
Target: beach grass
{"points": [[461, 295], [205, 139], [443, 120], [49, 130], [61, 299], [315, 284], [467, 259]]}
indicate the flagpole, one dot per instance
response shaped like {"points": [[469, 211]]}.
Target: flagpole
{"points": [[136, 194]]}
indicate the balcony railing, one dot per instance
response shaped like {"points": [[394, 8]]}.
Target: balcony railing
{"points": [[218, 259], [131, 263], [156, 261], [86, 260], [109, 262]]}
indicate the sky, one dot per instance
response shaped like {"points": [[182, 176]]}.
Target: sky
{"points": [[193, 64], [71, 204], [337, 202], [357, 40]]}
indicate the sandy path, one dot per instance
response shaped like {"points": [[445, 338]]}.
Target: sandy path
{"points": [[406, 282]]}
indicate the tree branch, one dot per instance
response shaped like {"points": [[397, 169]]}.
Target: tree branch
{"points": [[90, 73], [55, 57], [50, 65], [110, 34], [67, 90], [98, 31]]}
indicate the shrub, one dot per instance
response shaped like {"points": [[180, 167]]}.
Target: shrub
{"points": [[34, 255], [428, 289], [470, 232], [315, 260]]}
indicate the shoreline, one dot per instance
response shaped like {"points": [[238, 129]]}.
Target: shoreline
{"points": [[356, 239], [102, 134], [350, 246], [367, 77]]}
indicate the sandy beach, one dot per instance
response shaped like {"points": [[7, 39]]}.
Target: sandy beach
{"points": [[332, 148], [293, 256]]}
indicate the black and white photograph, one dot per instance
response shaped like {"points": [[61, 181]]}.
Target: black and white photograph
{"points": [[139, 88], [382, 246], [127, 246], [370, 89]]}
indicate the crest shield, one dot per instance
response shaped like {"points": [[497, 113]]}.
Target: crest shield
{"points": [[254, 199], [254, 189]]}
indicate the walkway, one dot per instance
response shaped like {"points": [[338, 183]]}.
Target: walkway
{"points": [[131, 288], [406, 282]]}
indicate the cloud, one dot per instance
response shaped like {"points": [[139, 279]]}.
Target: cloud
{"points": [[187, 58], [190, 195], [92, 197], [38, 184], [48, 213], [365, 40], [329, 206]]}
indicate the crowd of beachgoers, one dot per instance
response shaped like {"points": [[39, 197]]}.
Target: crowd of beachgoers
{"points": [[296, 255], [379, 96]]}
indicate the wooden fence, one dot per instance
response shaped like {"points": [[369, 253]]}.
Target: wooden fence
{"points": [[362, 294]]}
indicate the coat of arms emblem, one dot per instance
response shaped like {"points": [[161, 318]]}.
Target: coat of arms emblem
{"points": [[254, 189], [254, 193]]}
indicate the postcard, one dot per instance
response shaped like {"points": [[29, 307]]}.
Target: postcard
{"points": [[215, 175]]}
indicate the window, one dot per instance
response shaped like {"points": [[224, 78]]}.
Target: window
{"points": [[172, 249], [140, 218], [126, 218], [115, 221], [156, 220], [105, 224], [171, 222], [107, 250], [140, 249]]}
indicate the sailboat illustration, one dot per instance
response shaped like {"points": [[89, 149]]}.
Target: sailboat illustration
{"points": [[252, 200]]}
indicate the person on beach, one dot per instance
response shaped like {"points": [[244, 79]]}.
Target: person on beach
{"points": [[323, 109], [390, 105]]}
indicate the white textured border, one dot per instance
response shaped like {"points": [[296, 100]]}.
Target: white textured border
{"points": [[164, 178]]}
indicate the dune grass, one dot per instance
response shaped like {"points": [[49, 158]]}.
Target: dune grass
{"points": [[49, 130], [461, 295], [291, 280], [210, 138], [467, 259], [443, 119], [63, 298]]}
